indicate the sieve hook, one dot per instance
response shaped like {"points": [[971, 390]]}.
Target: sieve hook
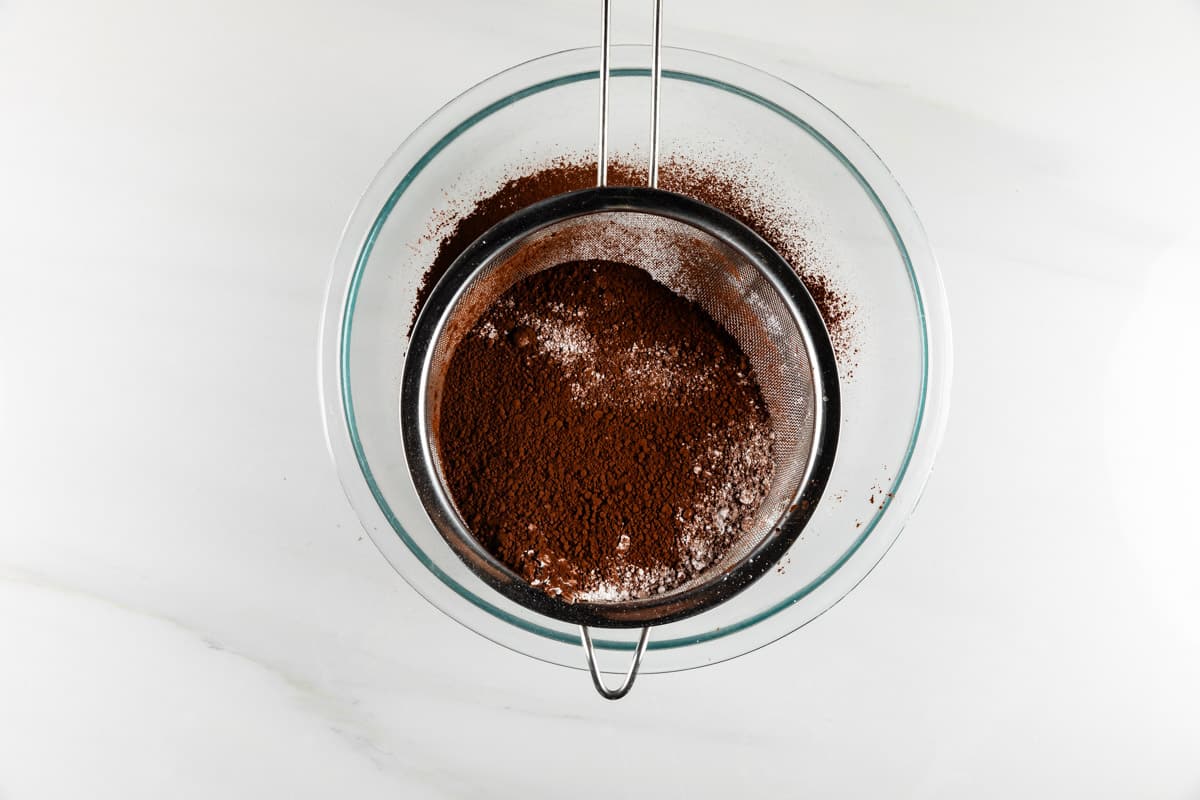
{"points": [[630, 676], [655, 87]]}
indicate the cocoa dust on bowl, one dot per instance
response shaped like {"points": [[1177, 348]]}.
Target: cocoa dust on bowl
{"points": [[602, 436]]}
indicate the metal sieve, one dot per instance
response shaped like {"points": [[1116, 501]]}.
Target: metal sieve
{"points": [[700, 253]]}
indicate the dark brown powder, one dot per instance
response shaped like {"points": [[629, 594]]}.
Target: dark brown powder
{"points": [[721, 185], [602, 436]]}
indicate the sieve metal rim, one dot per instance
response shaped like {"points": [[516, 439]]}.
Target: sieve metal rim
{"points": [[418, 443]]}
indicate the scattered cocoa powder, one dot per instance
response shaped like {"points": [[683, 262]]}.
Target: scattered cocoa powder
{"points": [[720, 184], [558, 177], [602, 436]]}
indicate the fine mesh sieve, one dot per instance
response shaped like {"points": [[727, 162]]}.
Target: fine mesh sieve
{"points": [[703, 255], [700, 253]]}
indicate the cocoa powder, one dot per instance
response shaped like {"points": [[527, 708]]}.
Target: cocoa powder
{"points": [[602, 436], [721, 184]]}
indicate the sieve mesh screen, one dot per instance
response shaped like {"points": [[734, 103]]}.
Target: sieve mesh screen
{"points": [[701, 267]]}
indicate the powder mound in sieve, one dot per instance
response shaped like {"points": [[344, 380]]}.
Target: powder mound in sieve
{"points": [[602, 436]]}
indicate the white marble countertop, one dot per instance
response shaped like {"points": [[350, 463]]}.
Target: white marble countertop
{"points": [[188, 607]]}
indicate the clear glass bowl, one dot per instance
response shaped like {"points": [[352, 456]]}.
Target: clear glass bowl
{"points": [[894, 388]]}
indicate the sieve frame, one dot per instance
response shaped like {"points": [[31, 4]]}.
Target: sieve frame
{"points": [[418, 440]]}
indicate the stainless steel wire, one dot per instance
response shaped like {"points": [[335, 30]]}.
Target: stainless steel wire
{"points": [[655, 88], [655, 93], [602, 157]]}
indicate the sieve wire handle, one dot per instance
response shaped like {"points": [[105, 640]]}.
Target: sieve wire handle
{"points": [[655, 88], [602, 180], [630, 676]]}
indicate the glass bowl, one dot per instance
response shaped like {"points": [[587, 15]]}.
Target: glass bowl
{"points": [[856, 221]]}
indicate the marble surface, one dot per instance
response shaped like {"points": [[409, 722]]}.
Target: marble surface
{"points": [[188, 607]]}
